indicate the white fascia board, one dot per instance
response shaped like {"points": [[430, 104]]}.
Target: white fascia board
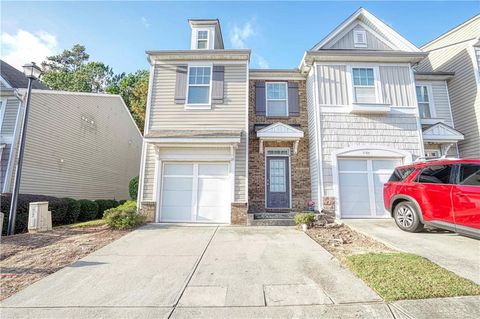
{"points": [[193, 140]]}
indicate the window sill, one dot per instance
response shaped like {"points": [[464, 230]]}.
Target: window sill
{"points": [[198, 106], [376, 108], [277, 116]]}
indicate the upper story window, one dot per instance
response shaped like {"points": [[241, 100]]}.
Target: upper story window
{"points": [[199, 82], [423, 101], [277, 99], [360, 38], [202, 39], [364, 85]]}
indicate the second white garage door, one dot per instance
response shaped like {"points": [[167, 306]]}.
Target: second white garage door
{"points": [[361, 186], [195, 192]]}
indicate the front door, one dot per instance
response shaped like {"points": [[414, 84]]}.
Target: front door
{"points": [[278, 182]]}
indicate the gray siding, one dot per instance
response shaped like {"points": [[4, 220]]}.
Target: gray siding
{"points": [[4, 164], [440, 100], [338, 131], [68, 156], [231, 115], [10, 117], [346, 41], [332, 81], [463, 91], [312, 139], [397, 88]]}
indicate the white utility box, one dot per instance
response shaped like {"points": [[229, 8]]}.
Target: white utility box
{"points": [[39, 217]]}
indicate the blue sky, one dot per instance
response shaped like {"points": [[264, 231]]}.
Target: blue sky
{"points": [[118, 33]]}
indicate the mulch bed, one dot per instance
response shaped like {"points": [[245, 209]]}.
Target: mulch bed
{"points": [[26, 258]]}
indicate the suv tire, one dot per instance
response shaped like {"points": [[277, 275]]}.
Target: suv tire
{"points": [[407, 217]]}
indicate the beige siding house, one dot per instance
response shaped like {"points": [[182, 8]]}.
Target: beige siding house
{"points": [[458, 51], [363, 114], [78, 145], [194, 159]]}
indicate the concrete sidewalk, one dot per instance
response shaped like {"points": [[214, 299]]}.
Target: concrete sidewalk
{"points": [[451, 251]]}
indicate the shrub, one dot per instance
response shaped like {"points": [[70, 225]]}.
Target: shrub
{"points": [[133, 188], [104, 204], [121, 202], [73, 211], [304, 218], [88, 210], [59, 209], [124, 216]]}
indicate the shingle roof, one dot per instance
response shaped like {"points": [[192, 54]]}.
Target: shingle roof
{"points": [[16, 78]]}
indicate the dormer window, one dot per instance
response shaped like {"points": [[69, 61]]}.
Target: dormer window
{"points": [[360, 38], [202, 39]]}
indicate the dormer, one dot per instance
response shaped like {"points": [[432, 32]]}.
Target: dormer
{"points": [[206, 34]]}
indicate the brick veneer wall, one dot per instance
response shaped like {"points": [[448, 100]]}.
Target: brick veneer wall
{"points": [[300, 174]]}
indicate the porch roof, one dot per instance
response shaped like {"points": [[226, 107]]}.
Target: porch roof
{"points": [[441, 133]]}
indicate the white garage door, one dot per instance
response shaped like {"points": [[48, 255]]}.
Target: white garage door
{"points": [[195, 192], [361, 186]]}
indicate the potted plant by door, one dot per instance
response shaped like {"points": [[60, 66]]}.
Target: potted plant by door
{"points": [[304, 219]]}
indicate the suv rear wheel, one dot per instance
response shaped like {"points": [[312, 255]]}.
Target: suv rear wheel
{"points": [[407, 217]]}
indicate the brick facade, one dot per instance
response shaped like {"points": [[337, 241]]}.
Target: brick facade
{"points": [[300, 167]]}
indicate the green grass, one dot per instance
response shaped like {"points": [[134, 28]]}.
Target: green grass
{"points": [[90, 223], [397, 276]]}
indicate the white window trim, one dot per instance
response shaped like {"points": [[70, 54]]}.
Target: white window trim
{"points": [[360, 44], [289, 174], [196, 106], [197, 39], [3, 107], [431, 103], [376, 83], [267, 99]]}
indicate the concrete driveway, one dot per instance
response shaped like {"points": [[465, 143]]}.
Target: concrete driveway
{"points": [[454, 252], [177, 271]]}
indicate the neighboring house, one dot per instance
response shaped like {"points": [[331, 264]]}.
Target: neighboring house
{"points": [[194, 157], [458, 51], [79, 145], [439, 135], [363, 114]]}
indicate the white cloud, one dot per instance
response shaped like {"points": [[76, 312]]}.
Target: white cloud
{"points": [[260, 61], [23, 47], [145, 22], [240, 35]]}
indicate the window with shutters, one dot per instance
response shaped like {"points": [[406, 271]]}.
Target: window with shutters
{"points": [[364, 90], [277, 98], [199, 84], [360, 38]]}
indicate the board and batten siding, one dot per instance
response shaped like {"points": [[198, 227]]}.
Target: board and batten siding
{"points": [[463, 92], [440, 101], [397, 85], [312, 139], [346, 41], [341, 130], [230, 115], [332, 84], [66, 155]]}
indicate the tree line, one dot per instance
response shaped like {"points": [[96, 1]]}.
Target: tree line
{"points": [[71, 70]]}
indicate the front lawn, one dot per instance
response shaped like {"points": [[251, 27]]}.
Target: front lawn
{"points": [[90, 223], [397, 276]]}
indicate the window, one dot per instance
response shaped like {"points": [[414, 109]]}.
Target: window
{"points": [[423, 101], [477, 53], [364, 85], [202, 39], [435, 174], [278, 152], [277, 104], [400, 174], [360, 38], [199, 85], [470, 174]]}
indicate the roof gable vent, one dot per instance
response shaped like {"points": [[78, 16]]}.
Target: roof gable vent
{"points": [[360, 38]]}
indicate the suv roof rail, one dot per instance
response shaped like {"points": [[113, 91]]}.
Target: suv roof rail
{"points": [[426, 159]]}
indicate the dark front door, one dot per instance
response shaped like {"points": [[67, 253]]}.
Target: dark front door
{"points": [[278, 182]]}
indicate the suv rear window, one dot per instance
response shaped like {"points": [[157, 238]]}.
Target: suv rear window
{"points": [[470, 174], [400, 174], [435, 174]]}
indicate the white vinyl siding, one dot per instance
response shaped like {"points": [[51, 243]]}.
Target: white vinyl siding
{"points": [[332, 81], [397, 85]]}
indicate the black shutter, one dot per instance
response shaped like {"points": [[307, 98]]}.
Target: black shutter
{"points": [[217, 84], [260, 98], [181, 84], [293, 99]]}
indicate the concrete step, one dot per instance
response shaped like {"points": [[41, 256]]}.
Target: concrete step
{"points": [[272, 222], [269, 215]]}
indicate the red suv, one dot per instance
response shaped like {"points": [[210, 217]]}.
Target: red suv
{"points": [[441, 193]]}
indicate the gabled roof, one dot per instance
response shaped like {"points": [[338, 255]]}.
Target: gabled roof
{"points": [[441, 132], [280, 131], [381, 30], [16, 79]]}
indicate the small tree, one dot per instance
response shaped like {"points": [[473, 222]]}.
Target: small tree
{"points": [[133, 188]]}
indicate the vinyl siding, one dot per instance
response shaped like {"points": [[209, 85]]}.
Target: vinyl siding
{"points": [[440, 100], [4, 163], [338, 131], [313, 143], [463, 91], [66, 156], [467, 31], [10, 117], [347, 41], [396, 83], [149, 175], [231, 115], [332, 82]]}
